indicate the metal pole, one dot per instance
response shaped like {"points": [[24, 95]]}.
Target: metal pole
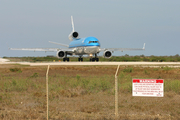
{"points": [[116, 93], [47, 91]]}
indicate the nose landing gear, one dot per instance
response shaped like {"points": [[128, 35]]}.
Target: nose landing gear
{"points": [[80, 59], [94, 59]]}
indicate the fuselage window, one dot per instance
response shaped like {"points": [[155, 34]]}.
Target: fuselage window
{"points": [[93, 42]]}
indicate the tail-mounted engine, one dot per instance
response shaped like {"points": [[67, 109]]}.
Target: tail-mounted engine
{"points": [[73, 35], [61, 54], [107, 54]]}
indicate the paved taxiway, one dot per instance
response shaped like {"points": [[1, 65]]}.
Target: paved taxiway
{"points": [[145, 64]]}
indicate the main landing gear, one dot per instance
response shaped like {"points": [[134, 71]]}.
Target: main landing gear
{"points": [[66, 59], [80, 59]]}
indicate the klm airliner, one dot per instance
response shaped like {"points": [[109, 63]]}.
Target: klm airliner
{"points": [[80, 46]]}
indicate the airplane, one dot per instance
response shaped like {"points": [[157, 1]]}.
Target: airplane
{"points": [[80, 46]]}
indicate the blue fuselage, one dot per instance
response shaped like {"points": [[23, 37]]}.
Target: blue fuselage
{"points": [[89, 45]]}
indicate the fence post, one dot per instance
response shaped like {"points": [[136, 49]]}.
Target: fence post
{"points": [[47, 92], [116, 93]]}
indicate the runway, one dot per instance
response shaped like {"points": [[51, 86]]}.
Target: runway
{"points": [[102, 63], [145, 64], [3, 60]]}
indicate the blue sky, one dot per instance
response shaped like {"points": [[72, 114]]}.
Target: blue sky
{"points": [[116, 23]]}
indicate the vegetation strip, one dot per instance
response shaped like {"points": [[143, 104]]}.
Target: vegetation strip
{"points": [[86, 90]]}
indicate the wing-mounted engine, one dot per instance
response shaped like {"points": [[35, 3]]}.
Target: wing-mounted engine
{"points": [[73, 34], [107, 54], [61, 54]]}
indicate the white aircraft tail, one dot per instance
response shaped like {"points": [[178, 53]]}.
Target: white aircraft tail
{"points": [[144, 46], [73, 34], [72, 23]]}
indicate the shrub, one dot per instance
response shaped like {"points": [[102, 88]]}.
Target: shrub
{"points": [[15, 70], [35, 75], [172, 86], [128, 70]]}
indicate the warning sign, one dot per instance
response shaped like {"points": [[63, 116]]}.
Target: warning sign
{"points": [[148, 87]]}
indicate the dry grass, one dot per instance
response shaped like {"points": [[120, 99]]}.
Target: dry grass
{"points": [[84, 92]]}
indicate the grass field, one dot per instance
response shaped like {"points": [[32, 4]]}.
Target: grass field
{"points": [[85, 92]]}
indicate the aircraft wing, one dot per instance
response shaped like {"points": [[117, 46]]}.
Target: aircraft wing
{"points": [[122, 49], [59, 44], [44, 49]]}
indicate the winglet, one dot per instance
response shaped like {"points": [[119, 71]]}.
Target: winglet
{"points": [[72, 23], [144, 46]]}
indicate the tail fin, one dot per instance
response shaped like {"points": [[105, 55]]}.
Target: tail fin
{"points": [[73, 34], [72, 23], [144, 46]]}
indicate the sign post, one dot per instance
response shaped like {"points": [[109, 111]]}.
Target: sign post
{"points": [[47, 92], [148, 87]]}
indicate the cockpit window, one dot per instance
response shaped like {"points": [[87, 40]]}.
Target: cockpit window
{"points": [[93, 42]]}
